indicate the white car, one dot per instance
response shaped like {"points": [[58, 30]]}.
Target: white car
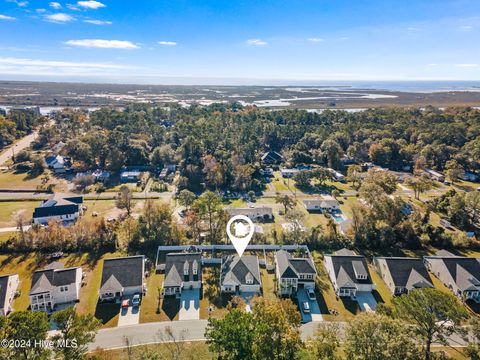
{"points": [[311, 294], [306, 307]]}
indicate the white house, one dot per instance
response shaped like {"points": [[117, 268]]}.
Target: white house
{"points": [[64, 209], [402, 274], [124, 276], [57, 163], [435, 175], [293, 273], [337, 176], [349, 273], [322, 203], [55, 286], [182, 271], [240, 274], [8, 288], [254, 212], [459, 273]]}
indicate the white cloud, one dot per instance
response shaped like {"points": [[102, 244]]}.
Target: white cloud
{"points": [[466, 65], [171, 43], [19, 3], [466, 27], [55, 5], [256, 42], [59, 18], [104, 44], [41, 11], [432, 65], [73, 7], [5, 17], [98, 22], [60, 64], [91, 4], [315, 40]]}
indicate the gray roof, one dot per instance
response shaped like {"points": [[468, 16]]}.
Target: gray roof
{"points": [[128, 271], [344, 268], [410, 273], [236, 269], [290, 267], [46, 280], [177, 264], [3, 289], [465, 271]]}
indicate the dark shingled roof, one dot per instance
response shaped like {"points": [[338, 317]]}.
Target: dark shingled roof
{"points": [[290, 267], [128, 271], [343, 266], [63, 206], [3, 289], [408, 272], [235, 269], [44, 280], [177, 263]]}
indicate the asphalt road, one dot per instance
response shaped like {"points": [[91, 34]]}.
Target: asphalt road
{"points": [[17, 147], [185, 330]]}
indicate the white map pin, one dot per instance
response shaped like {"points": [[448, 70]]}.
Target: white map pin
{"points": [[243, 232]]}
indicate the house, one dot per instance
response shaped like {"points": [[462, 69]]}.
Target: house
{"points": [[240, 274], [349, 273], [8, 288], [61, 208], [55, 286], [459, 273], [322, 203], [182, 271], [58, 163], [121, 277], [293, 273], [130, 176], [469, 176], [272, 157], [289, 173], [101, 175], [402, 274], [337, 176], [254, 212], [435, 175]]}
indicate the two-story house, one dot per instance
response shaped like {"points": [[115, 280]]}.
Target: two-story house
{"points": [[8, 288], [293, 273], [182, 271], [64, 209], [240, 274], [55, 286]]}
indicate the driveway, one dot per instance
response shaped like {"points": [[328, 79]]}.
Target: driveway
{"points": [[366, 300], [189, 305], [315, 313], [248, 296], [129, 316]]}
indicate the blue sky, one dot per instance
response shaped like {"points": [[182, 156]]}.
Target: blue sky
{"points": [[182, 41]]}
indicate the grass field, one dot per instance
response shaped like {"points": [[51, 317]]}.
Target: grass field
{"points": [[10, 209]]}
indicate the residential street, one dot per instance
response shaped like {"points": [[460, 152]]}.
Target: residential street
{"points": [[188, 330], [21, 144]]}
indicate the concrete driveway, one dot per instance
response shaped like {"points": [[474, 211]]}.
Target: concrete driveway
{"points": [[189, 305], [366, 301], [248, 296], [129, 316], [315, 313]]}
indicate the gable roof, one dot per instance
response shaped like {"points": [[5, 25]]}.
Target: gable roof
{"points": [[290, 267], [127, 271], [272, 156], [58, 205], [465, 271], [346, 267], [410, 273], [177, 264], [236, 270], [45, 280]]}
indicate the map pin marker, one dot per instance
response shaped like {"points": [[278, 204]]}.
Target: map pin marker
{"points": [[243, 230]]}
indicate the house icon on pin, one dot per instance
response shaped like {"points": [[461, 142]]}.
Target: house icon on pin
{"points": [[241, 230]]}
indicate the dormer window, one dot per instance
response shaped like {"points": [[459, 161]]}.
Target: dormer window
{"points": [[195, 268], [185, 268], [249, 279]]}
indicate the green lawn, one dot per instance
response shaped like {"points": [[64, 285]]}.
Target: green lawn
{"points": [[154, 308], [211, 296], [382, 292], [268, 285], [9, 210], [12, 180]]}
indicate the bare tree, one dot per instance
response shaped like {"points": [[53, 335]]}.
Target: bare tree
{"points": [[174, 343]]}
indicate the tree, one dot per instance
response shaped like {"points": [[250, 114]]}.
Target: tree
{"points": [[233, 337], [377, 337], [302, 179], [353, 176], [472, 203], [434, 315], [472, 351], [287, 201], [76, 332], [28, 326], [453, 170], [186, 198], [384, 179], [419, 185], [332, 151], [209, 206], [323, 345], [125, 199]]}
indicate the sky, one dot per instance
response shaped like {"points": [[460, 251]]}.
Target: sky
{"points": [[239, 41]]}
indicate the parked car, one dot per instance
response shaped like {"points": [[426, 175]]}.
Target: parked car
{"points": [[125, 304], [311, 294], [306, 307], [136, 300]]}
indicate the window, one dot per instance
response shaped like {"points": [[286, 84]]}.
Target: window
{"points": [[63, 288]]}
